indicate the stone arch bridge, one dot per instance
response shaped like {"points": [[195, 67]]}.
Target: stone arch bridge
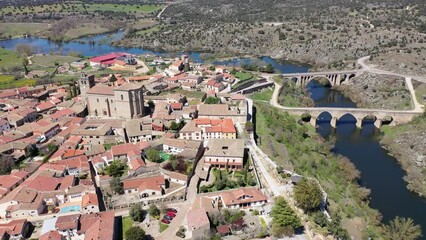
{"points": [[335, 78], [392, 117]]}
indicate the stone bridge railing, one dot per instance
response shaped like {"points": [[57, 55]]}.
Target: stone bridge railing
{"points": [[335, 78], [393, 117]]}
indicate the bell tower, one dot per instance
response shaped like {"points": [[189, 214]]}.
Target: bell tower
{"points": [[85, 82]]}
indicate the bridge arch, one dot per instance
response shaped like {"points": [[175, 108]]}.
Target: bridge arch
{"points": [[321, 79]]}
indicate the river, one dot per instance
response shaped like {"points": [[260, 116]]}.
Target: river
{"points": [[379, 171]]}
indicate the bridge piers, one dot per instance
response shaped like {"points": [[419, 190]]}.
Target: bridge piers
{"points": [[378, 123], [313, 121], [333, 122], [358, 123]]}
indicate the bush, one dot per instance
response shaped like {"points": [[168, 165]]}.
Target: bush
{"points": [[212, 100], [308, 195], [135, 233], [115, 169], [284, 219], [154, 211], [137, 213], [116, 185], [153, 155]]}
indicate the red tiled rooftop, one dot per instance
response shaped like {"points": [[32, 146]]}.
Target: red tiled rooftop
{"points": [[101, 89]]}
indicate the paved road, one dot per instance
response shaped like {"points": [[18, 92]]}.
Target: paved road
{"points": [[191, 195], [368, 68]]}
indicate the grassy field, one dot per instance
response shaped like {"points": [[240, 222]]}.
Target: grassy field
{"points": [[243, 76], [78, 7], [163, 227], [51, 60], [8, 30], [262, 96], [127, 223], [143, 23], [7, 81], [147, 31], [8, 58], [85, 30]]}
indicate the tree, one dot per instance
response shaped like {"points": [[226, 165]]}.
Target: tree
{"points": [[174, 126], [112, 78], [154, 211], [269, 68], [6, 164], [151, 104], [135, 233], [283, 218], [249, 126], [335, 229], [116, 185], [308, 195], [212, 100], [25, 50], [115, 169], [137, 213], [402, 228], [153, 155]]}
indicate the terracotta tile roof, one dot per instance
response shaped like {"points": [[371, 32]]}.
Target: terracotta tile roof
{"points": [[89, 199], [67, 222], [137, 163], [225, 147], [80, 162], [243, 195], [67, 112], [14, 227], [97, 225], [51, 235], [197, 219], [125, 149], [44, 106], [101, 89], [72, 153], [67, 181], [176, 106], [52, 167], [152, 183], [43, 183]]}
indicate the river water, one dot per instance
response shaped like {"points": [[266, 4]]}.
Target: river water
{"points": [[379, 171]]}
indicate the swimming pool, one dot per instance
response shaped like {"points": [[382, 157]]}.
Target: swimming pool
{"points": [[70, 209]]}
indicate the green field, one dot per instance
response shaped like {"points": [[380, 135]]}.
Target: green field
{"points": [[79, 7], [264, 96], [243, 76], [8, 30], [149, 30], [127, 223], [85, 30], [51, 60], [7, 81], [9, 58]]}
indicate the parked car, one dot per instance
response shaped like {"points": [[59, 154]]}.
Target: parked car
{"points": [[165, 221], [171, 210], [171, 214], [168, 217]]}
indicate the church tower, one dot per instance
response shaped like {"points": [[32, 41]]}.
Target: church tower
{"points": [[85, 82]]}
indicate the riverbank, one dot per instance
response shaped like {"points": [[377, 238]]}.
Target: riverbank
{"points": [[376, 91], [407, 143], [298, 147]]}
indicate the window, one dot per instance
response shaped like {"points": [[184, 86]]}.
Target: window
{"points": [[122, 97], [112, 101], [97, 99]]}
